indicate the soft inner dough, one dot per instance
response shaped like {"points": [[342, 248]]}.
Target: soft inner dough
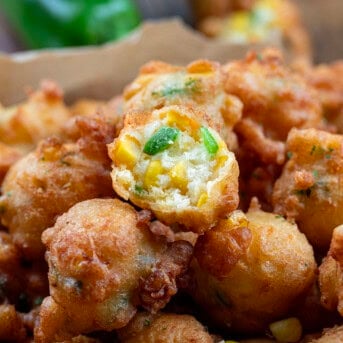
{"points": [[200, 168]]}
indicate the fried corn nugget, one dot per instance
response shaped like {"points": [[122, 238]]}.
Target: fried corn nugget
{"points": [[275, 100], [333, 335], [199, 85], [164, 328], [250, 270], [8, 155], [328, 81], [167, 162], [309, 190], [42, 115], [331, 274], [265, 21], [103, 263], [51, 179]]}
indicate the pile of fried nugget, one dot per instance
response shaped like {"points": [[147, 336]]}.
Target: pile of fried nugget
{"points": [[204, 204]]}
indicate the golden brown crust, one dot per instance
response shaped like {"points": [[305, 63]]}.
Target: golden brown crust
{"points": [[274, 98], [42, 115], [309, 189], [156, 289], [164, 328], [11, 325], [259, 281], [48, 181], [99, 254], [8, 156]]}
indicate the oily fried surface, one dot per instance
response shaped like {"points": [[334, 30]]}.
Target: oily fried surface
{"points": [[327, 79], [183, 183], [8, 155], [275, 100], [331, 275], [49, 180], [250, 270], [99, 253], [164, 328], [199, 85], [309, 190], [42, 115], [11, 325]]}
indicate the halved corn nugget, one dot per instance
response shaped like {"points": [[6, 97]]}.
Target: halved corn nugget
{"points": [[171, 162]]}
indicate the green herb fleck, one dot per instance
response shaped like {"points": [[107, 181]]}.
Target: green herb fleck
{"points": [[315, 174], [210, 143], [190, 86], [320, 151], [279, 216], [147, 322], [139, 190], [161, 140], [289, 154]]}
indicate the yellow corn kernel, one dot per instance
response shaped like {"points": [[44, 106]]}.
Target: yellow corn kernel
{"points": [[201, 66], [220, 162], [180, 121], [202, 199], [136, 86], [126, 153], [178, 176], [287, 330], [151, 176]]}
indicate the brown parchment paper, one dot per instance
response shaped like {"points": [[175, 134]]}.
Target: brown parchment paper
{"points": [[102, 72]]}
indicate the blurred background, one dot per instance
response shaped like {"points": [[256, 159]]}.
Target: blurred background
{"points": [[310, 29]]}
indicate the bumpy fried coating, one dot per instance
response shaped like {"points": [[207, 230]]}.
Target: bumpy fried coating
{"points": [[331, 274], [328, 81], [51, 179], [11, 280], [310, 187], [275, 100], [333, 335], [199, 85], [111, 111], [170, 162], [250, 270], [99, 255], [164, 328], [42, 115], [11, 325], [8, 155]]}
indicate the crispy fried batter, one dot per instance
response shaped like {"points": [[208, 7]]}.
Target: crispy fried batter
{"points": [[331, 274], [200, 85], [328, 81], [98, 253], [157, 289], [275, 100], [11, 325], [164, 328], [43, 114], [250, 270], [309, 190], [58, 174], [8, 156]]}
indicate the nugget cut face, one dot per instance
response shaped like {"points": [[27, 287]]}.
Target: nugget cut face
{"points": [[309, 189], [173, 164], [199, 85]]}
